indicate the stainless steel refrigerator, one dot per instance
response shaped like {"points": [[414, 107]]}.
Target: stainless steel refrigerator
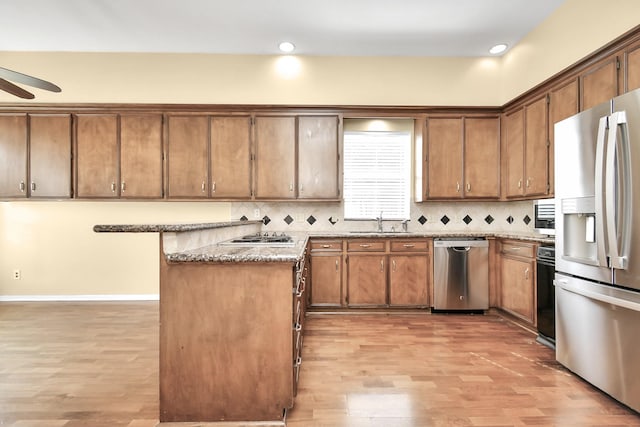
{"points": [[597, 280]]}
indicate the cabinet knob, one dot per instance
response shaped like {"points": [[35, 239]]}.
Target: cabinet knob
{"points": [[204, 186], [337, 266], [528, 182], [113, 187], [381, 266], [526, 274], [468, 187], [291, 186], [123, 186], [33, 186], [519, 183], [457, 187], [213, 187], [393, 263], [22, 186]]}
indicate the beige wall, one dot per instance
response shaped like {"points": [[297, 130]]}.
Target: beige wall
{"points": [[58, 254], [52, 242]]}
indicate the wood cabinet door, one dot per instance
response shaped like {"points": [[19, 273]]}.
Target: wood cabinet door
{"points": [[318, 157], [231, 157], [482, 157], [563, 103], [536, 179], [13, 155], [326, 280], [408, 279], [50, 155], [275, 155], [632, 67], [188, 157], [97, 155], [141, 156], [445, 158], [514, 162], [517, 288], [366, 280], [599, 83]]}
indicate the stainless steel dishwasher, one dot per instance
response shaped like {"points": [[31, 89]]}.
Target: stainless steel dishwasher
{"points": [[461, 273]]}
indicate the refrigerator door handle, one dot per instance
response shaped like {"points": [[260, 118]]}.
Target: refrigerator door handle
{"points": [[600, 209], [617, 193], [595, 295]]}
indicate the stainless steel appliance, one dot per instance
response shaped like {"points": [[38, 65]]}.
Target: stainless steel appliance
{"points": [[597, 278], [544, 216], [461, 274], [545, 295], [261, 239]]}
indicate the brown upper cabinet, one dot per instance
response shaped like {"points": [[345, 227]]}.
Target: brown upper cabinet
{"points": [[187, 157], [599, 83], [632, 67], [526, 148], [563, 103], [13, 162], [50, 155], [463, 157], [275, 154], [118, 156], [318, 157], [231, 157]]}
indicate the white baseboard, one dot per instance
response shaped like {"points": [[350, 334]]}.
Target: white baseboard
{"points": [[120, 297]]}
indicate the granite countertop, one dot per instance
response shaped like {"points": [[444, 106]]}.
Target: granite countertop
{"points": [[157, 228], [214, 252], [242, 254]]}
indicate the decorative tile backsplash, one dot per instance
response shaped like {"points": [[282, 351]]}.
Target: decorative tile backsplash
{"points": [[430, 216]]}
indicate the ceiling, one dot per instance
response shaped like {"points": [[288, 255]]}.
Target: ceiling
{"points": [[316, 27]]}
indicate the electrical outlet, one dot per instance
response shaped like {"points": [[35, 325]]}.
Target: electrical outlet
{"points": [[17, 275], [256, 213]]}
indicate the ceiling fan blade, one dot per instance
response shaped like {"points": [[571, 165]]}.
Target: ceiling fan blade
{"points": [[28, 80], [15, 90]]}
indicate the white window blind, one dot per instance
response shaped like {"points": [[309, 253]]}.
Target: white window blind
{"points": [[377, 175]]}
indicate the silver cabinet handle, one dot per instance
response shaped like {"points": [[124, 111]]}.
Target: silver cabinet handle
{"points": [[409, 245], [291, 186], [526, 274], [468, 187], [365, 246], [381, 266], [123, 186], [393, 263], [302, 188], [204, 186], [113, 187], [22, 186], [33, 186], [519, 183], [326, 246], [457, 186], [528, 182], [213, 187], [337, 266]]}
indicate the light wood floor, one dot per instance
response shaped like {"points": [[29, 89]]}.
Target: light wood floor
{"points": [[96, 364]]}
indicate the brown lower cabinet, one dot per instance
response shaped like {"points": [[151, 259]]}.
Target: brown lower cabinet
{"points": [[230, 340], [517, 280], [360, 273]]}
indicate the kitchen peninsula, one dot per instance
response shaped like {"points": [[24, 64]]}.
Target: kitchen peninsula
{"points": [[232, 317], [230, 323]]}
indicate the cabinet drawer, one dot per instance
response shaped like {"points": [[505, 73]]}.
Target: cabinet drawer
{"points": [[518, 249], [409, 246], [326, 245], [365, 246]]}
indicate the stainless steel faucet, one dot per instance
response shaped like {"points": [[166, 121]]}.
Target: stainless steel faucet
{"points": [[404, 225], [380, 223]]}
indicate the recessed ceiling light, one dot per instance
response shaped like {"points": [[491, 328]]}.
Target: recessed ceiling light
{"points": [[499, 48], [286, 47]]}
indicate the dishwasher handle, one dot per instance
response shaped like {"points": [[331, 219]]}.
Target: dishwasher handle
{"points": [[460, 248]]}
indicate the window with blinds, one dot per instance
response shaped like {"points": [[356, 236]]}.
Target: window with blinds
{"points": [[377, 175]]}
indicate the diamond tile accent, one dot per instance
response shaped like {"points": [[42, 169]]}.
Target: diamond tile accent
{"points": [[488, 219], [288, 219], [445, 219], [311, 219], [510, 219], [244, 218], [422, 220], [266, 220], [467, 219], [526, 219]]}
